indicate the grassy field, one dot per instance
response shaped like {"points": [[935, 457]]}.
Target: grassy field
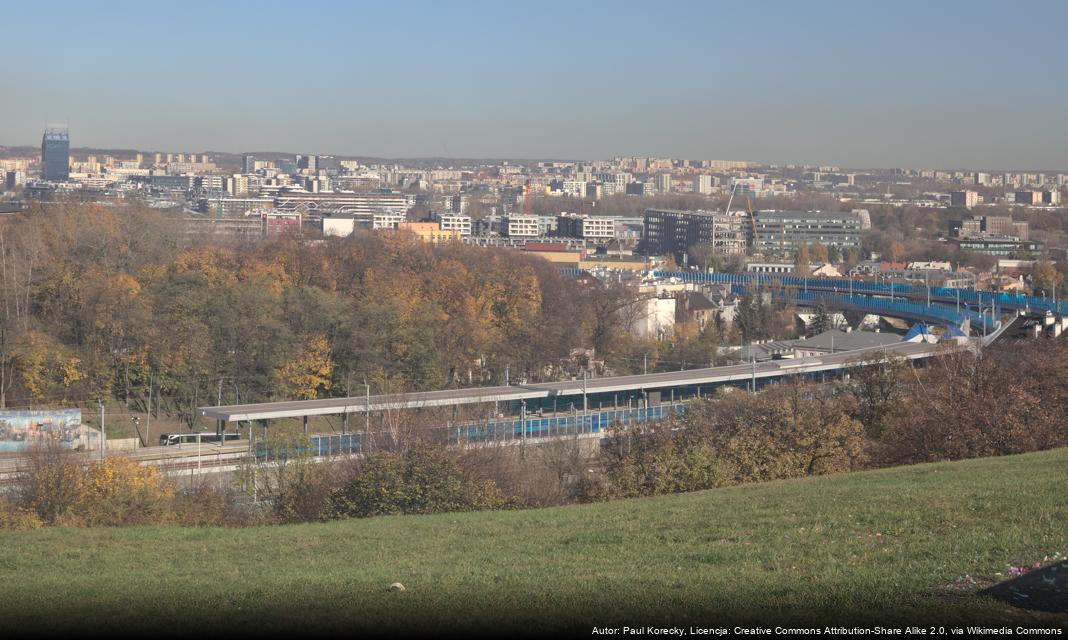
{"points": [[875, 547]]}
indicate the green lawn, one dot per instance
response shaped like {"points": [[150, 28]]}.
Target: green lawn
{"points": [[866, 547]]}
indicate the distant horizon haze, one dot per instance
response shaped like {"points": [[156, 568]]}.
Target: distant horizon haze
{"points": [[951, 84], [500, 159]]}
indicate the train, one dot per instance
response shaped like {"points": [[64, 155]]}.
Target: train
{"points": [[186, 438]]}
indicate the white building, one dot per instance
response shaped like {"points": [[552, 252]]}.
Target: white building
{"points": [[655, 317], [574, 188], [454, 222], [341, 226], [520, 226], [702, 184], [588, 227], [386, 220]]}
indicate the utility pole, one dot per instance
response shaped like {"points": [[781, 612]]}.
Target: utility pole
{"points": [[506, 376], [102, 429], [645, 363], [584, 404], [752, 359], [366, 407]]}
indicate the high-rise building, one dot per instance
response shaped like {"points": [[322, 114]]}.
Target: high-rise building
{"points": [[55, 154], [14, 178], [248, 163], [967, 199], [307, 162], [663, 182], [1029, 197], [702, 184], [237, 185]]}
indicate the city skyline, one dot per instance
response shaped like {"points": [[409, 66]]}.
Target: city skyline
{"points": [[824, 84]]}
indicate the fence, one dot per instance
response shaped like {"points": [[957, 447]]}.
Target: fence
{"points": [[493, 431]]}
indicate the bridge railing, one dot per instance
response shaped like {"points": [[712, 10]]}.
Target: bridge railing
{"points": [[885, 306], [859, 294], [869, 287]]}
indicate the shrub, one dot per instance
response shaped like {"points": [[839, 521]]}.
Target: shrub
{"points": [[15, 517], [119, 491], [209, 505], [787, 431], [1006, 400], [293, 486], [422, 479], [51, 481]]}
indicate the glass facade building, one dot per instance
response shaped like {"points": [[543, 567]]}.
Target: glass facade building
{"points": [[55, 155]]}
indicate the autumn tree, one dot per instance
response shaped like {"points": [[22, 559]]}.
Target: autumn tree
{"points": [[802, 260], [1046, 280], [308, 372], [819, 252]]}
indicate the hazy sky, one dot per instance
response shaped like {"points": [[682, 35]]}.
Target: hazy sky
{"points": [[875, 83]]}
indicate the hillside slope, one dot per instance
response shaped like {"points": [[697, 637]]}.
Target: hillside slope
{"points": [[874, 547]]}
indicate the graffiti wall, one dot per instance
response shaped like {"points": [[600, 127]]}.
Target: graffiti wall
{"points": [[19, 429]]}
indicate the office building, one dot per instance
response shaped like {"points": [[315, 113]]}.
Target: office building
{"points": [[997, 226], [783, 231], [318, 203], [1002, 247], [671, 232], [55, 154]]}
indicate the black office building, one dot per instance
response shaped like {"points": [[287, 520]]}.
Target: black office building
{"points": [[55, 154]]}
